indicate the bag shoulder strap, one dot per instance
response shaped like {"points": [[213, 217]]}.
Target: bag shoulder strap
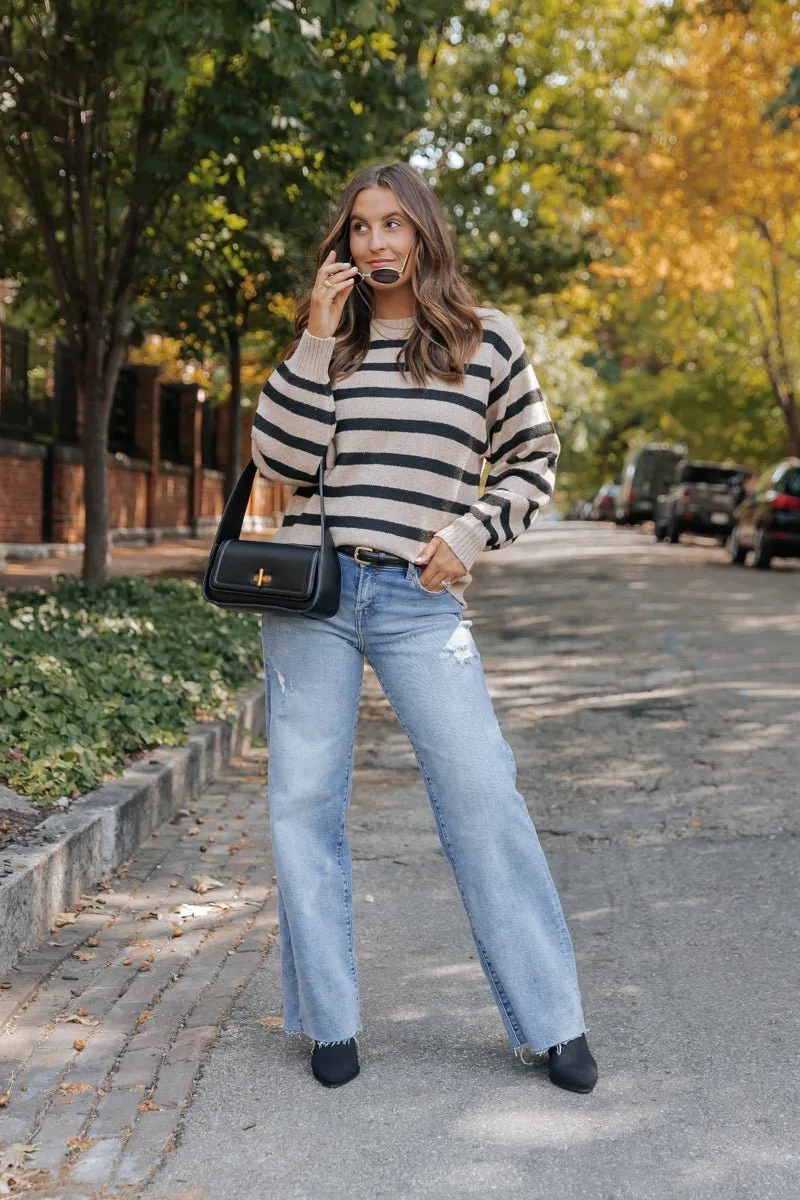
{"points": [[230, 525]]}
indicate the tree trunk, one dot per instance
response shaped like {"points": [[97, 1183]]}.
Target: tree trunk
{"points": [[97, 375], [789, 407], [234, 466], [97, 550]]}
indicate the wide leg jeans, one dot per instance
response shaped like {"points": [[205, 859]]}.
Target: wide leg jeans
{"points": [[429, 667]]}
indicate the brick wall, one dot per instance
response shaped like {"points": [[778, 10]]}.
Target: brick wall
{"points": [[172, 498], [127, 495], [21, 468], [143, 493], [212, 489]]}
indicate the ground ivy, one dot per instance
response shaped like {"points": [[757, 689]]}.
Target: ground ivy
{"points": [[91, 674]]}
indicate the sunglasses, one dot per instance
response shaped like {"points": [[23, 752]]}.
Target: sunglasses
{"points": [[385, 274]]}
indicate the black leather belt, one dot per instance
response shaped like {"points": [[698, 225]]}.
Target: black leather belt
{"points": [[365, 554]]}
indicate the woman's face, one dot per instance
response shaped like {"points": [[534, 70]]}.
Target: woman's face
{"points": [[381, 235]]}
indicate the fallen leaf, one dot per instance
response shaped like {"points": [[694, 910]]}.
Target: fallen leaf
{"points": [[4, 1099], [65, 918], [13, 1156], [271, 1022], [204, 883], [92, 941], [126, 962], [76, 1089], [5, 983], [147, 1106], [77, 1019], [201, 910], [79, 1144], [83, 955], [79, 1044], [177, 931]]}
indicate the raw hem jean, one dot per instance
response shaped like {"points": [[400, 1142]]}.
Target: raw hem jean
{"points": [[429, 667]]}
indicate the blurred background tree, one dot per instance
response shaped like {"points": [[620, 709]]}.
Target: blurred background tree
{"points": [[620, 177]]}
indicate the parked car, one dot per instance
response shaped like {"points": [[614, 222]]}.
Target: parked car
{"points": [[767, 521], [701, 499], [604, 505], [575, 510], [644, 477]]}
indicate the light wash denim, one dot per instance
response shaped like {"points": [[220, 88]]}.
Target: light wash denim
{"points": [[429, 667]]}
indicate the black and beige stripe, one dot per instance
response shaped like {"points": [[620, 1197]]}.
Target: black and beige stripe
{"points": [[403, 463]]}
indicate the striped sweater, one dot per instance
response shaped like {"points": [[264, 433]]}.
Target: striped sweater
{"points": [[404, 463]]}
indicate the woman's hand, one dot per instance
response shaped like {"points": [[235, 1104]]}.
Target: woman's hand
{"points": [[443, 566], [333, 285]]}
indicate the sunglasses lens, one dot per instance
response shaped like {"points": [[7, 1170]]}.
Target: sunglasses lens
{"points": [[385, 275]]}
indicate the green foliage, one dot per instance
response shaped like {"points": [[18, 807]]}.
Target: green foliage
{"points": [[93, 674], [524, 119]]}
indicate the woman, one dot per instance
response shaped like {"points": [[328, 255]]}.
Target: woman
{"points": [[402, 384]]}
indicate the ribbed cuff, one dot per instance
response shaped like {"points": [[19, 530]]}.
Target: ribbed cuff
{"points": [[466, 537], [312, 356]]}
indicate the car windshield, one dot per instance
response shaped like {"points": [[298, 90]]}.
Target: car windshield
{"points": [[697, 473], [791, 482]]}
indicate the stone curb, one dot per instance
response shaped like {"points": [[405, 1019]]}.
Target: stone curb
{"points": [[69, 852]]}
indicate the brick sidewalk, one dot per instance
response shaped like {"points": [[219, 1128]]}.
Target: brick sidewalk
{"points": [[106, 1025]]}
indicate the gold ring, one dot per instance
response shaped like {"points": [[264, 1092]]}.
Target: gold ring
{"points": [[327, 283]]}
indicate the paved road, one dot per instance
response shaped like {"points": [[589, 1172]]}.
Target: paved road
{"points": [[650, 694]]}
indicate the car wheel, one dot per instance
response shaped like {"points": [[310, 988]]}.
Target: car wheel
{"points": [[737, 553], [674, 532], [761, 555]]}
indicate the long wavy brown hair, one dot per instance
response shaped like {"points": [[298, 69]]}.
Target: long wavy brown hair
{"points": [[447, 330]]}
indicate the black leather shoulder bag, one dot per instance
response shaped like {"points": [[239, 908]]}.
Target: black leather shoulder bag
{"points": [[254, 576]]}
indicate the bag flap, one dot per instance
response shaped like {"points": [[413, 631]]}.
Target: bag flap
{"points": [[287, 570]]}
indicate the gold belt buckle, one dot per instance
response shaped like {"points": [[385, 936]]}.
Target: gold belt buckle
{"points": [[355, 554]]}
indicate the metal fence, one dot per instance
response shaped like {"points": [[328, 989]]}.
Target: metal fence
{"points": [[208, 437], [122, 421], [175, 448], [29, 416], [15, 411]]}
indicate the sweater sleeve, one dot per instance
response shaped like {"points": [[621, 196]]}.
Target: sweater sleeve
{"points": [[295, 420], [522, 447]]}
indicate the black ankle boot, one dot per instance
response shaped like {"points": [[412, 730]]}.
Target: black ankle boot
{"points": [[336, 1064], [572, 1065]]}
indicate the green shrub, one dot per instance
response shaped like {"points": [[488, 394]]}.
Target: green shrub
{"points": [[91, 674]]}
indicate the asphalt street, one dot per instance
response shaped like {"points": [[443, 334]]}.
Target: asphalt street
{"points": [[650, 694]]}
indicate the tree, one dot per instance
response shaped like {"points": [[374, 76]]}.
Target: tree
{"points": [[527, 106], [709, 200], [235, 252], [104, 110]]}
